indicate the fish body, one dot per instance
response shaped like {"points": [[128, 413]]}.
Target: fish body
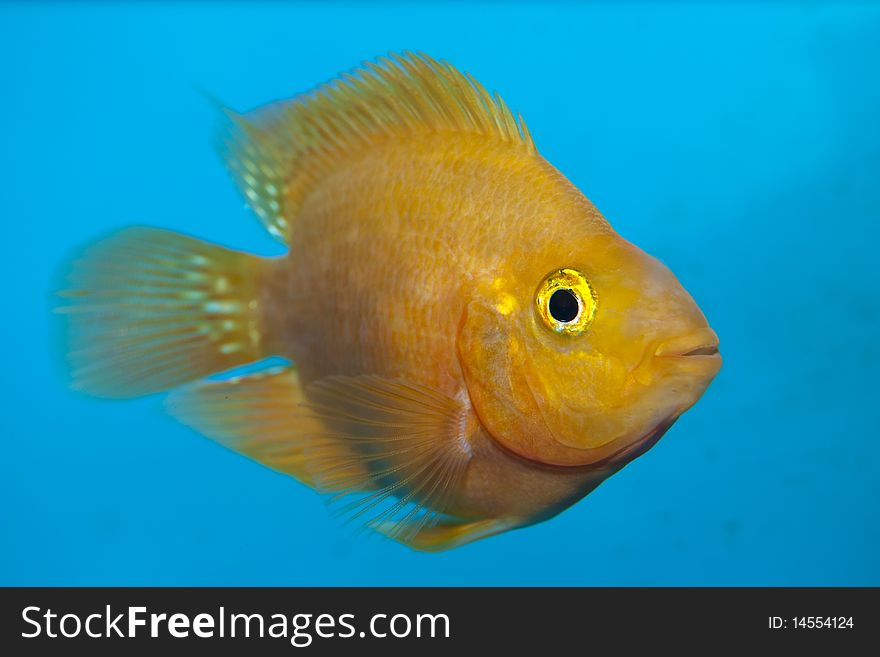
{"points": [[472, 347], [410, 216]]}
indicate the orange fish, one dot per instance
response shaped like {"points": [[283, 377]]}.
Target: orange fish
{"points": [[471, 347]]}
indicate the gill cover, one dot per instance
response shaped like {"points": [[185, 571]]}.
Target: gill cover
{"points": [[507, 397]]}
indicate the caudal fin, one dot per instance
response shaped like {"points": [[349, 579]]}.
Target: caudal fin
{"points": [[148, 310]]}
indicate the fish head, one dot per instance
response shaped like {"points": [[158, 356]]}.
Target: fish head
{"points": [[583, 355]]}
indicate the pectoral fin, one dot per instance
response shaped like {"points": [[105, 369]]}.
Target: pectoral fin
{"points": [[410, 442]]}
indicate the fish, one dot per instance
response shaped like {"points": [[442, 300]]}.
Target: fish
{"points": [[467, 347]]}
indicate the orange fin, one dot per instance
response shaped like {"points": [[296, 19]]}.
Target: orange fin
{"points": [[259, 415], [277, 153], [149, 309], [448, 535], [407, 450]]}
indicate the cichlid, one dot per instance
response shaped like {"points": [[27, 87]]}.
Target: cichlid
{"points": [[471, 347]]}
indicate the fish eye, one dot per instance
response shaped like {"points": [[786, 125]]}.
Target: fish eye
{"points": [[566, 302], [564, 306]]}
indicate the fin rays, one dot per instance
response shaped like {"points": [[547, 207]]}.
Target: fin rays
{"points": [[387, 453], [405, 452], [278, 152], [147, 310]]}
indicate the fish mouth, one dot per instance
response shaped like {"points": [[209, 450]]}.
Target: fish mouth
{"points": [[707, 350], [702, 343]]}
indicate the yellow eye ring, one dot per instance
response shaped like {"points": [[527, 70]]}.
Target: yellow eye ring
{"points": [[566, 302]]}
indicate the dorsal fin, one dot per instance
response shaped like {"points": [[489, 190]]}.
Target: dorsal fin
{"points": [[276, 153]]}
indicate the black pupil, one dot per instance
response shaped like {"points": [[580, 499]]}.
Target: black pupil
{"points": [[563, 305]]}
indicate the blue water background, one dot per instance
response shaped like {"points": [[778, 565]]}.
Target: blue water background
{"points": [[738, 143]]}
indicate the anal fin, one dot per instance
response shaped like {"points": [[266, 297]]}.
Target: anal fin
{"points": [[258, 415]]}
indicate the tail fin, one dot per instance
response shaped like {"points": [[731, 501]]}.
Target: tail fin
{"points": [[149, 309]]}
